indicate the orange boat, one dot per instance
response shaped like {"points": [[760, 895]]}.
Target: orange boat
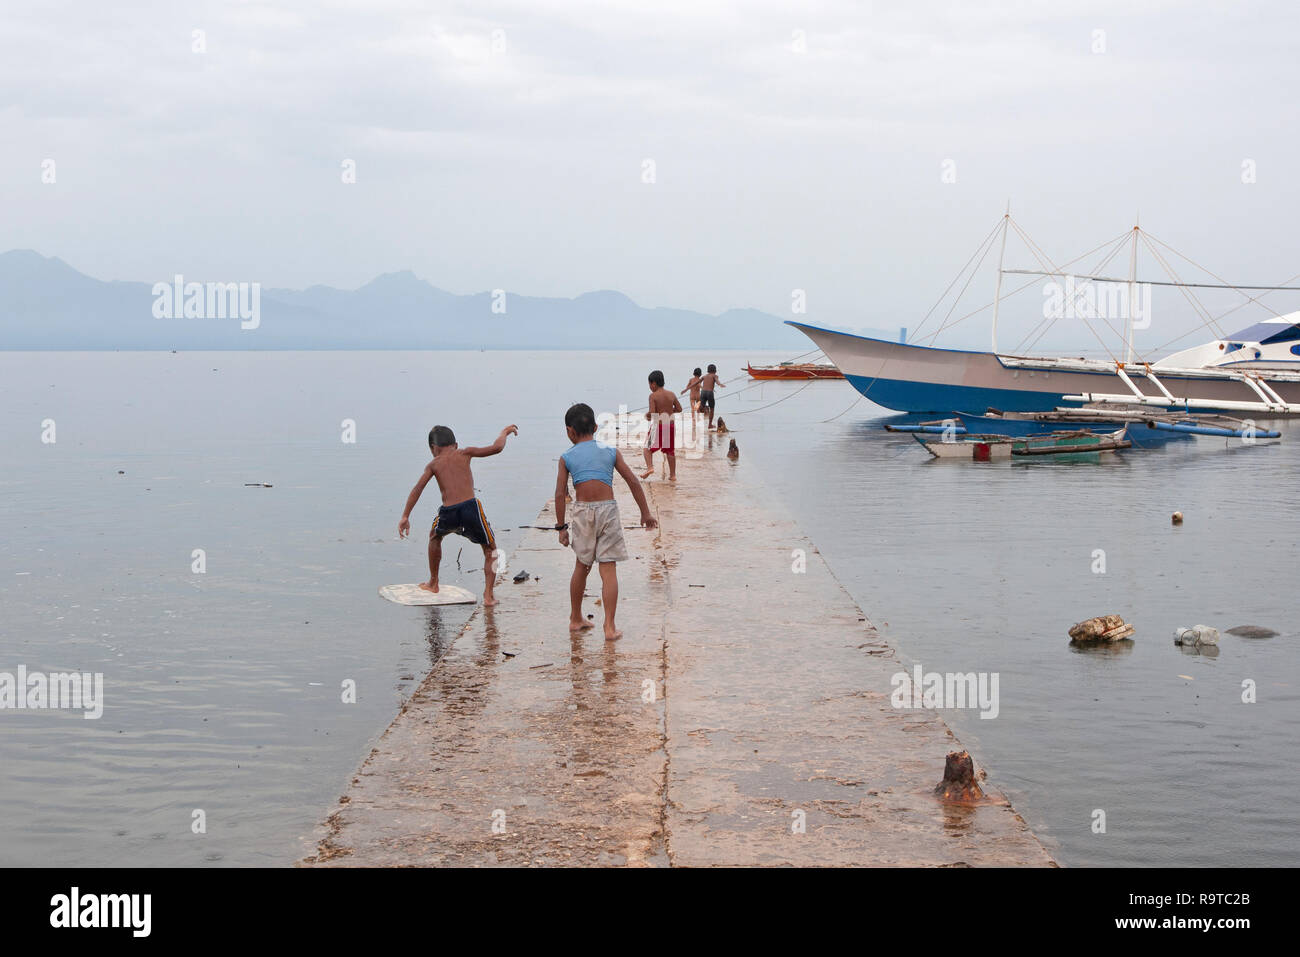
{"points": [[795, 370]]}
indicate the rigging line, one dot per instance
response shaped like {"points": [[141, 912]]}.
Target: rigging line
{"points": [[753, 385], [1031, 282], [1096, 269], [973, 273], [1156, 282], [1224, 315], [1046, 323], [834, 417], [983, 251], [1197, 306], [944, 295], [777, 402], [1087, 323], [1226, 284]]}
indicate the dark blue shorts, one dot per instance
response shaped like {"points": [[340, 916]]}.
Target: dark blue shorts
{"points": [[464, 518], [706, 399]]}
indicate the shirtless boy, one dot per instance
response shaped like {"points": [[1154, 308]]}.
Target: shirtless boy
{"points": [[460, 512], [708, 383], [663, 431]]}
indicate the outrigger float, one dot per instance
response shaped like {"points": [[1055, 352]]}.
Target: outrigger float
{"points": [[1166, 423], [1042, 433]]}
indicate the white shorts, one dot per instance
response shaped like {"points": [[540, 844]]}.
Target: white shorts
{"points": [[596, 532]]}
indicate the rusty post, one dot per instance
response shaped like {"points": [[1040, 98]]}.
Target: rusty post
{"points": [[958, 782]]}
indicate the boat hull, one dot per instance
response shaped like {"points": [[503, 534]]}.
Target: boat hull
{"points": [[922, 379]]}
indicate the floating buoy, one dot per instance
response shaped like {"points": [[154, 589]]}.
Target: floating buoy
{"points": [[1196, 636]]}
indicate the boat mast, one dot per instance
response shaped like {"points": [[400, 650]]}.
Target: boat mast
{"points": [[1132, 294], [997, 292]]}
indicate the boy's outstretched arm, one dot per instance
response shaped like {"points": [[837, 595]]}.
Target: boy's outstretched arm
{"points": [[638, 493], [561, 493], [480, 451], [404, 526]]}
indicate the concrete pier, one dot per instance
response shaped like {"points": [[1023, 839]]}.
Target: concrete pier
{"points": [[743, 719]]}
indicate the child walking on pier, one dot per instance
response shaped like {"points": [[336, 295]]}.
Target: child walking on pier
{"points": [[597, 530], [663, 430]]}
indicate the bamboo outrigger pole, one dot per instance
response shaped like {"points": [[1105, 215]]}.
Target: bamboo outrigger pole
{"points": [[1132, 293], [997, 292]]}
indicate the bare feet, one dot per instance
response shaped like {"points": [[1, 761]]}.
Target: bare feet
{"points": [[430, 586], [489, 600], [576, 626], [612, 634], [648, 472]]}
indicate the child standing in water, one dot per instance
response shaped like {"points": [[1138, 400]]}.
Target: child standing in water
{"points": [[597, 530], [460, 512]]}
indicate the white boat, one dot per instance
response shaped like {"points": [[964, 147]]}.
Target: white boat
{"points": [[1255, 370]]}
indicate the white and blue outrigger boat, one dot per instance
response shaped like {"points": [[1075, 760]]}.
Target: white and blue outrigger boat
{"points": [[1255, 371]]}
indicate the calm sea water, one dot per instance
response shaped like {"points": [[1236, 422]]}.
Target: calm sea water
{"points": [[223, 689]]}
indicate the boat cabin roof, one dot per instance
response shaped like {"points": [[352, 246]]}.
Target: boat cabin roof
{"points": [[1278, 329]]}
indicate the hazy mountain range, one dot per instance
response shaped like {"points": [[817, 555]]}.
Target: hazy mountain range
{"points": [[47, 304]]}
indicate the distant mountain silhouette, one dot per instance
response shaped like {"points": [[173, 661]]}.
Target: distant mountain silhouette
{"points": [[46, 304]]}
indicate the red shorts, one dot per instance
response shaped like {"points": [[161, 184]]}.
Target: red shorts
{"points": [[663, 438]]}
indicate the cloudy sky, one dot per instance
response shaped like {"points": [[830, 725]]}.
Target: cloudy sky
{"points": [[505, 144]]}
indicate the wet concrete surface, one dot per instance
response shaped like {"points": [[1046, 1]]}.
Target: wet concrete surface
{"points": [[744, 722]]}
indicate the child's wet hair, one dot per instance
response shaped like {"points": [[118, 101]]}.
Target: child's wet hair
{"points": [[657, 378], [712, 367], [698, 371], [440, 436], [581, 419]]}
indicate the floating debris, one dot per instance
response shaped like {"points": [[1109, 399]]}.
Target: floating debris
{"points": [[257, 485], [733, 453], [1101, 628], [1252, 631], [1196, 636], [1177, 518], [721, 427], [521, 578], [959, 784]]}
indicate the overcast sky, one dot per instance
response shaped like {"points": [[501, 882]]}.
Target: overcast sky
{"points": [[795, 145]]}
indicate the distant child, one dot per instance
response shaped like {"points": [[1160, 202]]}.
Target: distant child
{"points": [[597, 529], [707, 385], [694, 388], [663, 431], [460, 512]]}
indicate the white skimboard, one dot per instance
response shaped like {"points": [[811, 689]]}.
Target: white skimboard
{"points": [[415, 595]]}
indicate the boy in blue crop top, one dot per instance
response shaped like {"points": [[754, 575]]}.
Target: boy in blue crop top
{"points": [[597, 531]]}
